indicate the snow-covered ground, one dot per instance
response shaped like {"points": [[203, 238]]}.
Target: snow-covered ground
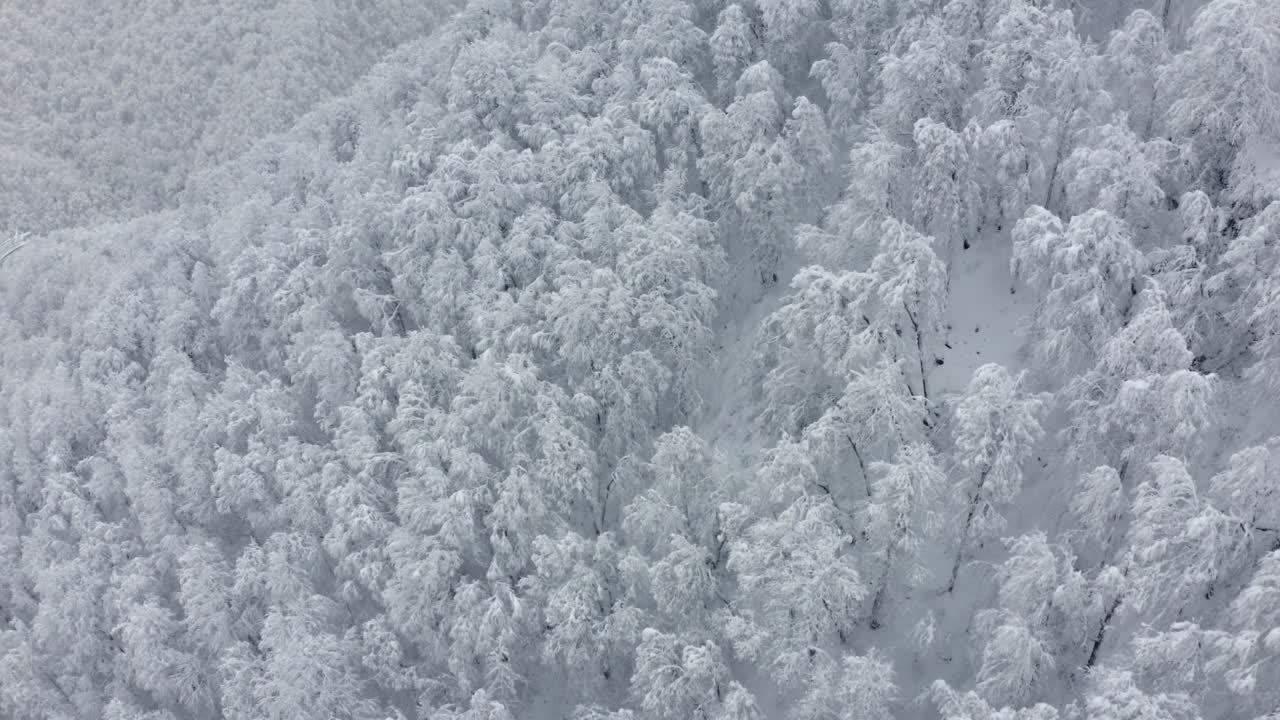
{"points": [[984, 316]]}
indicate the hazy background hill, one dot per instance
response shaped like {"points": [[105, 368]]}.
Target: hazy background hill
{"points": [[109, 106]]}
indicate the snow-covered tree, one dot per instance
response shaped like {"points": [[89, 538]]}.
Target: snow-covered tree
{"points": [[910, 298], [687, 489], [798, 580], [923, 77], [861, 686], [904, 509], [841, 74], [879, 189], [788, 27], [1248, 488], [672, 105], [734, 45], [1114, 694], [1014, 662], [1185, 271], [591, 623], [1180, 546], [1246, 292], [954, 705], [305, 669], [1250, 654], [1135, 54], [810, 346], [946, 195], [996, 428], [1142, 399], [1085, 275], [876, 415], [750, 168], [477, 707], [1008, 169], [678, 678], [1113, 170], [1225, 91], [1097, 506], [1038, 622]]}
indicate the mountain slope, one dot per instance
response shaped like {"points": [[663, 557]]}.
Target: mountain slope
{"points": [[671, 360]]}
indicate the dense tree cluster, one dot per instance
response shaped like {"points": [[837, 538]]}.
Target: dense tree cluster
{"points": [[418, 409]]}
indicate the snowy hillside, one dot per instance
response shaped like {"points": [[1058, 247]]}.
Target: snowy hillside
{"points": [[641, 360]]}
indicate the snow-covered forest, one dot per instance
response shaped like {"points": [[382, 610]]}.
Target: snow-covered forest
{"points": [[640, 360]]}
